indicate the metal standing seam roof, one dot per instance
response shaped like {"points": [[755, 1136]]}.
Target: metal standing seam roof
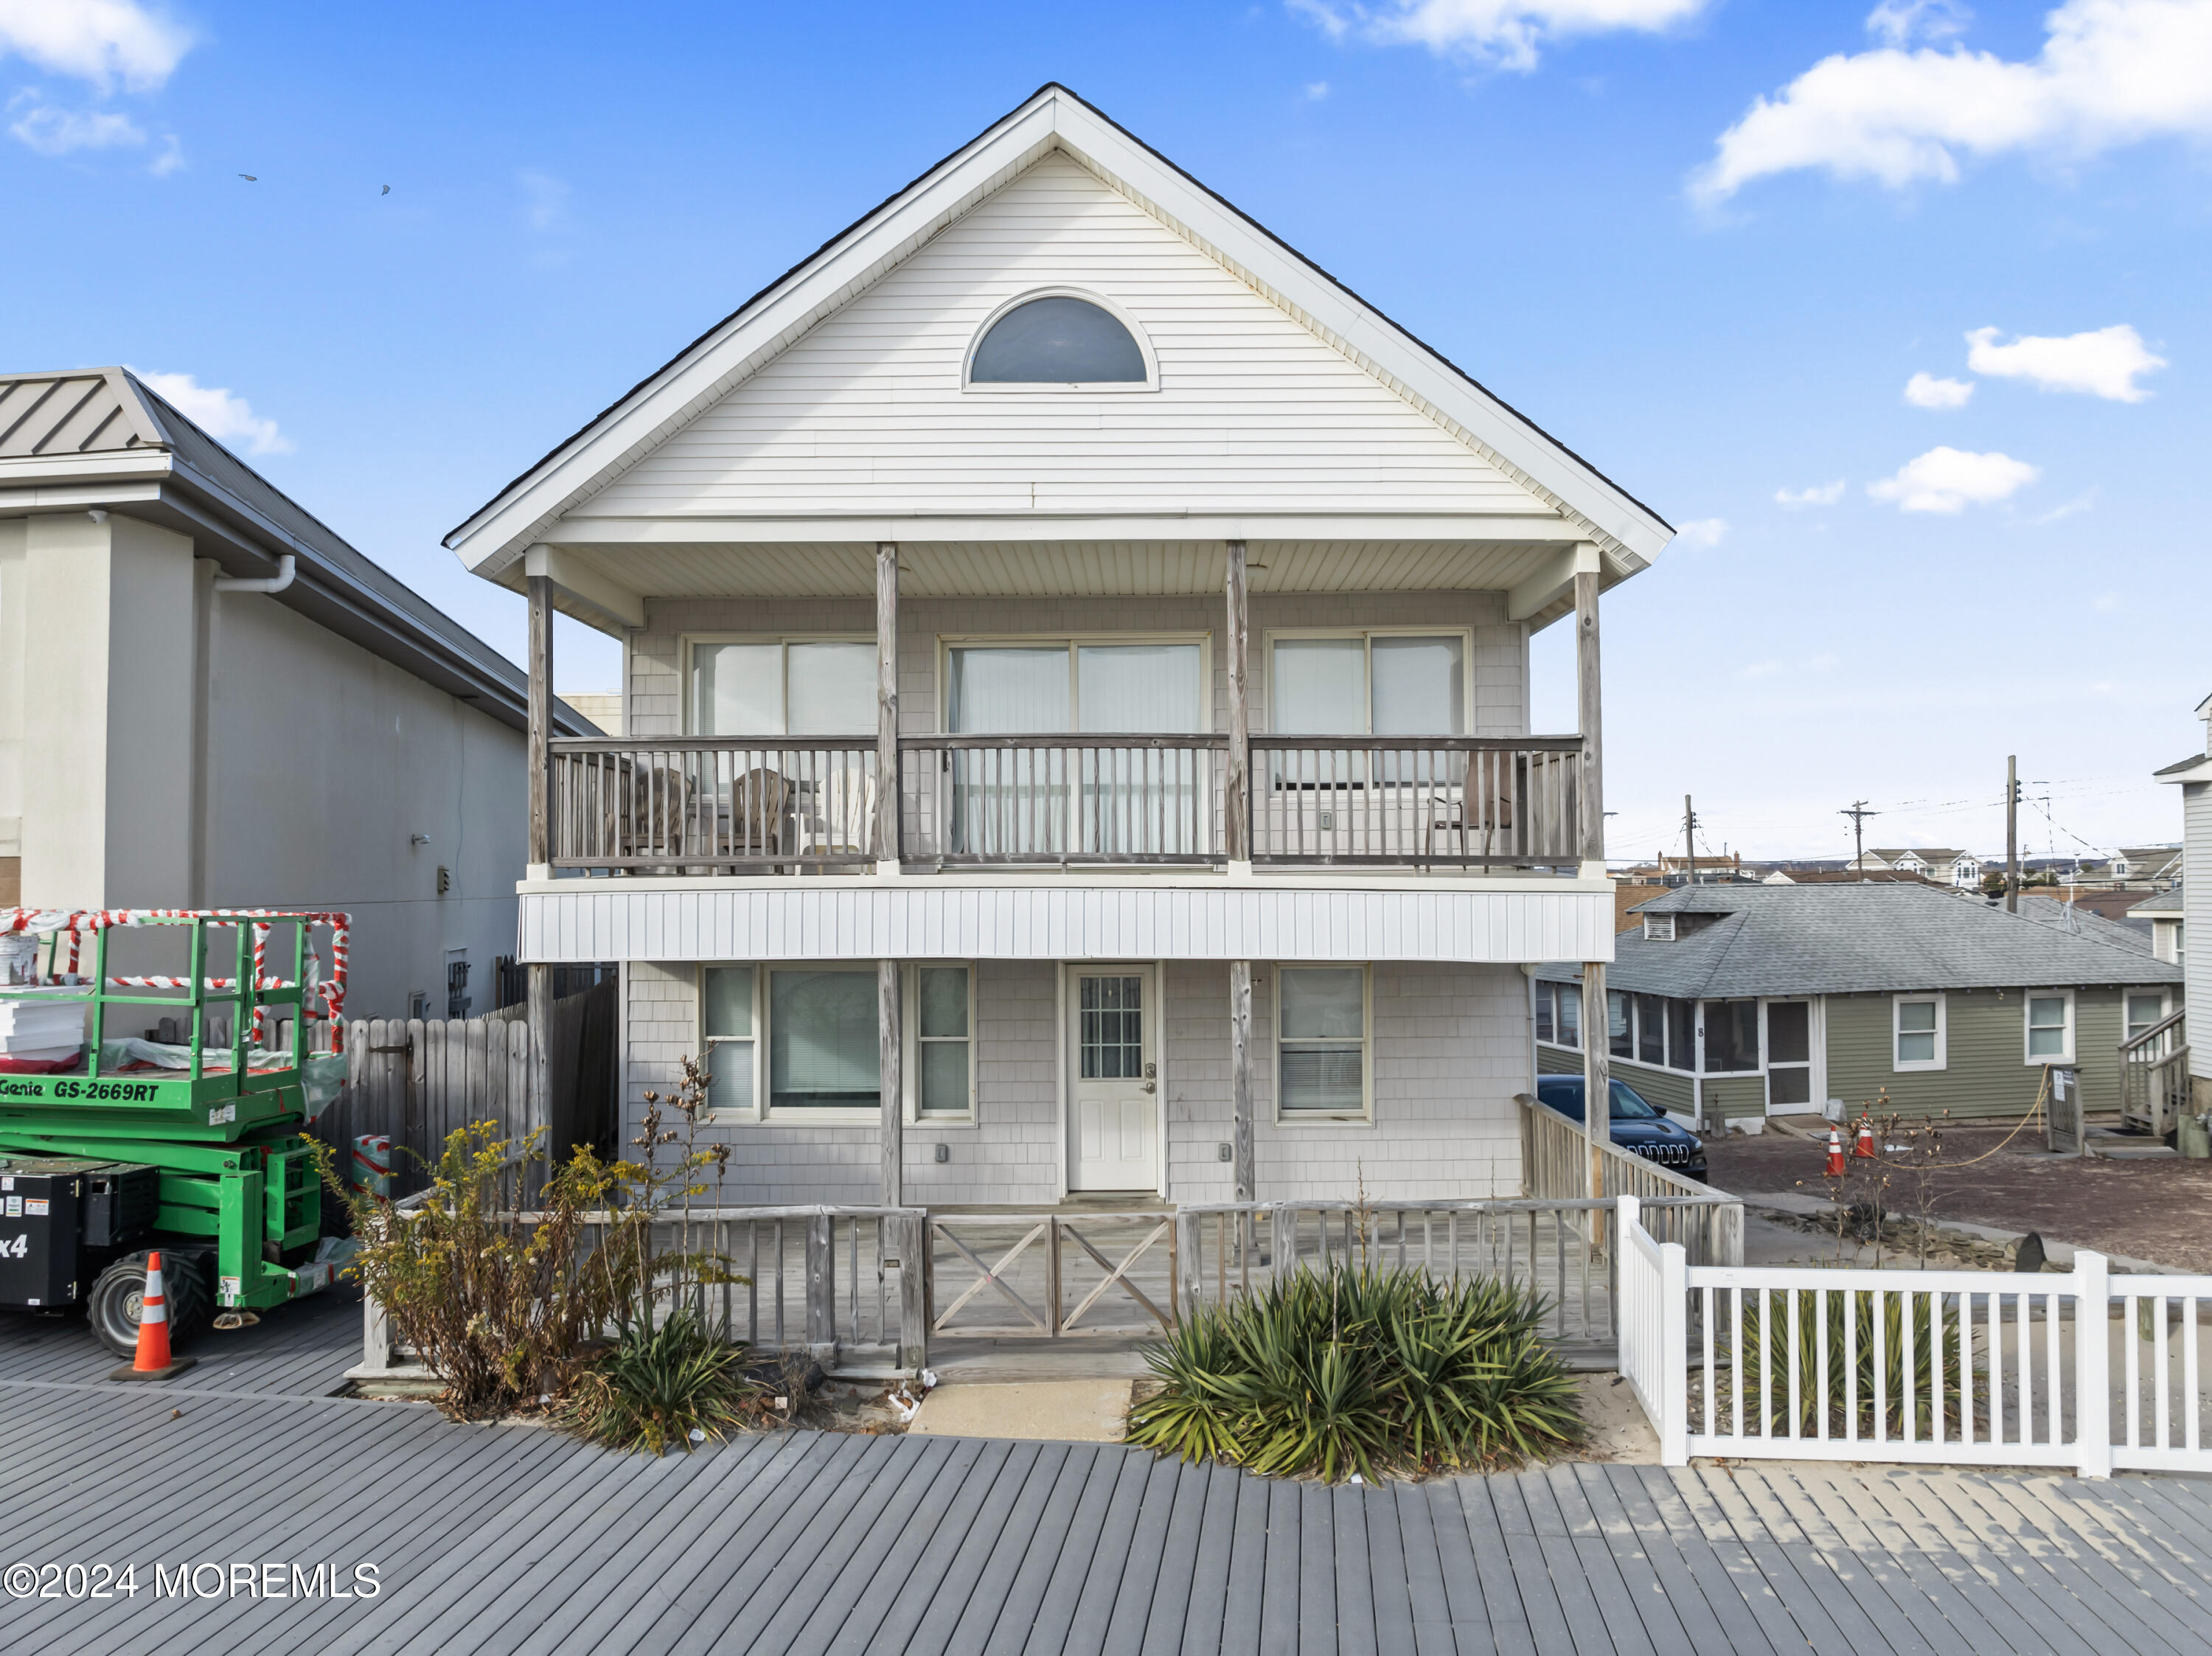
{"points": [[1872, 938], [105, 415]]}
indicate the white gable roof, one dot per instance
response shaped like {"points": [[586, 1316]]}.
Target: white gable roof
{"points": [[877, 290]]}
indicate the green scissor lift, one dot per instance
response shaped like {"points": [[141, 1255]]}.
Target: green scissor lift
{"points": [[236, 1207]]}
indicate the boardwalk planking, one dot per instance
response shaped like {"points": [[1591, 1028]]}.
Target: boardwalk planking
{"points": [[503, 1541]]}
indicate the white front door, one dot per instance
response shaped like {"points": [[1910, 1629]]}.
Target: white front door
{"points": [[1114, 1102]]}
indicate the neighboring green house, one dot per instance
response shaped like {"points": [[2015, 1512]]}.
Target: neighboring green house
{"points": [[1755, 1000]]}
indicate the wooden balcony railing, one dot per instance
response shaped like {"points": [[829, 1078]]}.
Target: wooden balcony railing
{"points": [[1452, 801], [714, 804], [1055, 799]]}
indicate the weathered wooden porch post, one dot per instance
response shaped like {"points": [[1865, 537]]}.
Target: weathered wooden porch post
{"points": [[887, 718], [1237, 841], [892, 1049], [540, 975], [891, 1094], [1597, 1063]]}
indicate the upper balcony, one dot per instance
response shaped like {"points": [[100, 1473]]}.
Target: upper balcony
{"points": [[713, 805]]}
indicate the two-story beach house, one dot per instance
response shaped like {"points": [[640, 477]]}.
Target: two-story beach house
{"points": [[1076, 731]]}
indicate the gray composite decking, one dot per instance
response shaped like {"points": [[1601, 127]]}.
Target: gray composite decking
{"points": [[512, 1539]]}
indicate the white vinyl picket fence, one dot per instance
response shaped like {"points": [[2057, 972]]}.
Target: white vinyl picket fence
{"points": [[2084, 1370]]}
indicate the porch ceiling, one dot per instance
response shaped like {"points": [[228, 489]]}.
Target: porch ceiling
{"points": [[1080, 568]]}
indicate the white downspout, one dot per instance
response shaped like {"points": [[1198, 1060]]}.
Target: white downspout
{"points": [[276, 583]]}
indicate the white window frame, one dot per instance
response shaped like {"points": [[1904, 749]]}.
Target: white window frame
{"points": [[1050, 387], [1314, 1117], [1368, 636], [757, 1040], [911, 1038], [948, 642], [1899, 1065], [1560, 991], [2027, 1029], [1658, 928], [2165, 994], [689, 643], [763, 1110]]}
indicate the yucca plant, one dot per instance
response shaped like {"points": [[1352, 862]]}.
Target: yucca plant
{"points": [[1354, 1368], [1766, 1341], [657, 1386]]}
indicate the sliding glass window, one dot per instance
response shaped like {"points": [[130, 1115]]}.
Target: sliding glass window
{"points": [[1044, 799]]}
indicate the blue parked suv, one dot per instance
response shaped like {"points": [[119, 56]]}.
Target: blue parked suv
{"points": [[1637, 1126]]}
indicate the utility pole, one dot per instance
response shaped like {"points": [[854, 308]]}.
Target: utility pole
{"points": [[2012, 833], [1858, 813], [1690, 840]]}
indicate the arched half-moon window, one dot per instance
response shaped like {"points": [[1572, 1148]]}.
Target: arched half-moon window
{"points": [[1058, 340]]}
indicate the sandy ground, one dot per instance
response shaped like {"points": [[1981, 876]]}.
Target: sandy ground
{"points": [[2159, 1211]]}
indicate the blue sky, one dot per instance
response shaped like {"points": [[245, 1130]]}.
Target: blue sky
{"points": [[1708, 244]]}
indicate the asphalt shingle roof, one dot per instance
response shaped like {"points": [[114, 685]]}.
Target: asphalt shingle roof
{"points": [[1847, 939]]}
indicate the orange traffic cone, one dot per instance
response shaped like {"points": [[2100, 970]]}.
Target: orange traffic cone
{"points": [[1835, 1154], [1863, 1147], [154, 1360]]}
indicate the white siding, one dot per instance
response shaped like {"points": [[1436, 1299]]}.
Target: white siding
{"points": [[1449, 1051], [1499, 669], [865, 413], [1505, 920]]}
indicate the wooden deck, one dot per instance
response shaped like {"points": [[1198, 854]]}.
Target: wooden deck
{"points": [[511, 1539]]}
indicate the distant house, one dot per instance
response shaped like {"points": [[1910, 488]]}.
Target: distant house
{"points": [[2163, 912], [1942, 864], [2193, 776], [1761, 1000], [208, 700]]}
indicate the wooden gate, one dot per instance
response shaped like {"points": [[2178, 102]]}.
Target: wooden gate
{"points": [[1055, 1272]]}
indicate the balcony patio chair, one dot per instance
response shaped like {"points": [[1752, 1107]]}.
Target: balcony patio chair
{"points": [[652, 811], [759, 800], [845, 811]]}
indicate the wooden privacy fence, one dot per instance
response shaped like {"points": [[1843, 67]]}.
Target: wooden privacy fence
{"points": [[2083, 1369], [420, 1079]]}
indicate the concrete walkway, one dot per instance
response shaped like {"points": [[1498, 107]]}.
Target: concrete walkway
{"points": [[512, 1539]]}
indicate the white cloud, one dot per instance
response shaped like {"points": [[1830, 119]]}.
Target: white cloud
{"points": [[1505, 32], [1821, 494], [2105, 603], [547, 199], [2104, 363], [1316, 90], [53, 131], [2078, 503], [1701, 531], [218, 413], [1925, 391], [2111, 72], [1900, 22], [1759, 669], [102, 41], [1947, 479], [171, 160]]}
